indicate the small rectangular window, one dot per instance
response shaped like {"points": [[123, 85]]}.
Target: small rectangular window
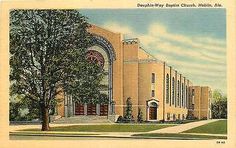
{"points": [[153, 77], [153, 93]]}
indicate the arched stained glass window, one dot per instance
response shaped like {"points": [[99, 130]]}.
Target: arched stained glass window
{"points": [[167, 88], [173, 91], [186, 97], [178, 92]]}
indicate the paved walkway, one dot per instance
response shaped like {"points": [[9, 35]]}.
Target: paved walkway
{"points": [[183, 127]]}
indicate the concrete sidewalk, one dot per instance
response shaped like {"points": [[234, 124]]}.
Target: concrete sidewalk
{"points": [[21, 127], [183, 127]]}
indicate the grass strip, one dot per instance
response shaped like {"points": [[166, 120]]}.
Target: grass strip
{"points": [[218, 127], [104, 128], [48, 134]]}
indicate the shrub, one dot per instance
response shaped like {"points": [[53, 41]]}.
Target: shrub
{"points": [[128, 111], [120, 119]]}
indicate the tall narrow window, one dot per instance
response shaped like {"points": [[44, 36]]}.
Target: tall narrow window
{"points": [[178, 92], [153, 77], [173, 91], [167, 88], [192, 97], [153, 93], [186, 96]]}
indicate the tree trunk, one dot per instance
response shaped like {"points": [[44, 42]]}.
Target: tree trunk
{"points": [[45, 118]]}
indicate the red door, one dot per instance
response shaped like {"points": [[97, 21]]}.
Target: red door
{"points": [[91, 109], [152, 113], [79, 109], [103, 109]]}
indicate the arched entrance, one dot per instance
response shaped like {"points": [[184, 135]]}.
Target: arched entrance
{"points": [[100, 52], [152, 110]]}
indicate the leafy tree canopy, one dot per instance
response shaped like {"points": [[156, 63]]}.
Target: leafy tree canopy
{"points": [[218, 96], [48, 49], [219, 105]]}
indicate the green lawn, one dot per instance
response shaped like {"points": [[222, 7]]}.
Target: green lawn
{"points": [[178, 136], [45, 133], [218, 127], [106, 128]]}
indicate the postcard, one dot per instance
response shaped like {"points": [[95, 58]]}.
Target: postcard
{"points": [[117, 74]]}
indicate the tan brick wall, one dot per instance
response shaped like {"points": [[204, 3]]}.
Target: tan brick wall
{"points": [[202, 102], [131, 85], [197, 97], [115, 40], [131, 51], [146, 86], [205, 102], [132, 71], [143, 54]]}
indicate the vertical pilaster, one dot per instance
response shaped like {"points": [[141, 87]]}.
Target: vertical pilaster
{"points": [[98, 109], [170, 88], [164, 88], [85, 109]]}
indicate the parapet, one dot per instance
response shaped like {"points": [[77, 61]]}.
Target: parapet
{"points": [[131, 41]]}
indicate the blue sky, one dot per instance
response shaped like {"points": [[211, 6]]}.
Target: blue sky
{"points": [[193, 41]]}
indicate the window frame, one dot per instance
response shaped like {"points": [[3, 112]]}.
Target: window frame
{"points": [[167, 89], [173, 91], [153, 78], [153, 93]]}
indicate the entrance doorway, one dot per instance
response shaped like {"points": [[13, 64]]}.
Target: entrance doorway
{"points": [[91, 109], [79, 109], [103, 110], [152, 111]]}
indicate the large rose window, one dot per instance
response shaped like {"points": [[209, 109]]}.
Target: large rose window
{"points": [[98, 55], [95, 57]]}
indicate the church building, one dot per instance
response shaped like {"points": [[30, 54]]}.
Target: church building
{"points": [[159, 91]]}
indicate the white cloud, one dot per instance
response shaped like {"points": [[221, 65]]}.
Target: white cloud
{"points": [[174, 48], [118, 28], [183, 45]]}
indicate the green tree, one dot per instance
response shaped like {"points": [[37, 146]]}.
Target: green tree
{"points": [[217, 95], [15, 107], [48, 49], [87, 90], [219, 105], [23, 109], [128, 110]]}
